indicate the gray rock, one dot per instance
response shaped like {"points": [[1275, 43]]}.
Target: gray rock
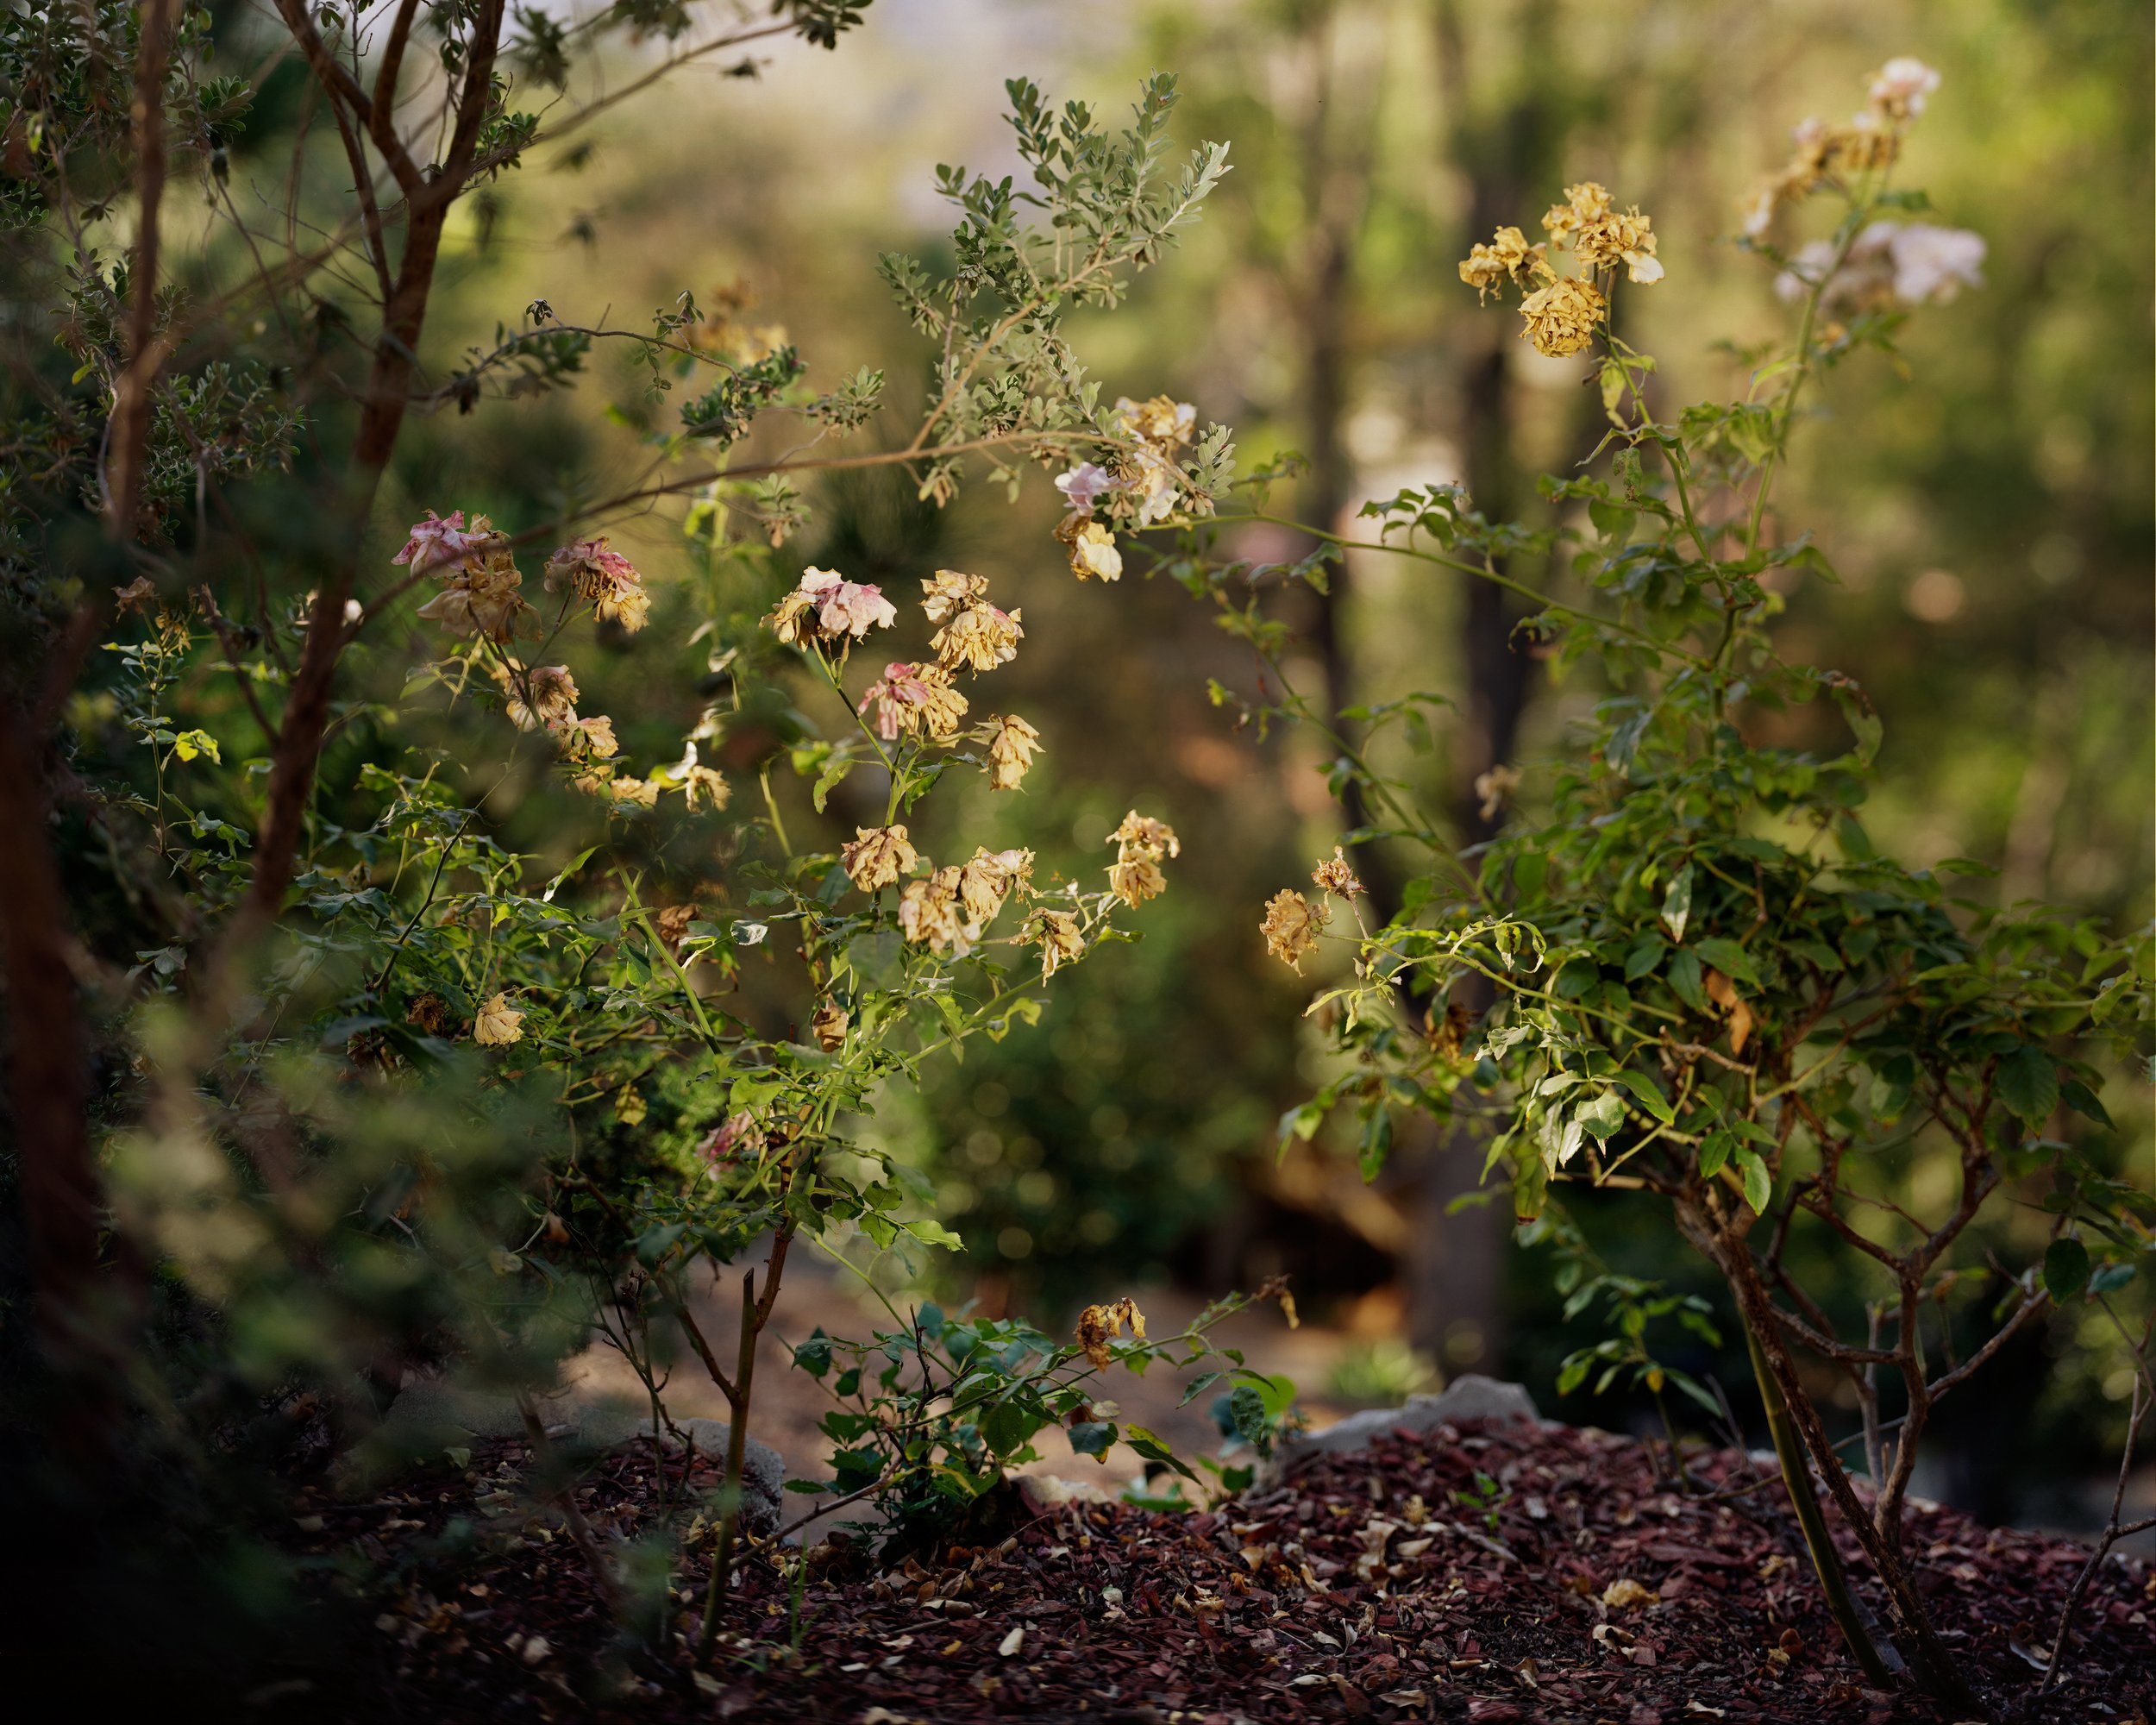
{"points": [[762, 1471], [1470, 1397], [432, 1415]]}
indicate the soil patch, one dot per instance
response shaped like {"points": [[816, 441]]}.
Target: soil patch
{"points": [[1508, 1573]]}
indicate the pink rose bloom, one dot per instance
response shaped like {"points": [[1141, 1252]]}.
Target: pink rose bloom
{"points": [[736, 1133], [900, 691], [435, 542], [1082, 484], [853, 608]]}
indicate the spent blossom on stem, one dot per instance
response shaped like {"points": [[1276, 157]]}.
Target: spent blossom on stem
{"points": [[1291, 925], [1093, 555], [1336, 875], [932, 914], [1506, 258], [829, 1026], [552, 697], [987, 878], [1142, 843], [1056, 934], [972, 634], [439, 540], [483, 600], [498, 1024], [878, 857], [1561, 318], [737, 1135], [826, 606], [1082, 484], [910, 699], [1011, 745], [604, 578]]}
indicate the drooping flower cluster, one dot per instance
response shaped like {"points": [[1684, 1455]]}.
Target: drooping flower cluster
{"points": [[827, 607], [949, 910], [1098, 1326], [1139, 482], [1142, 844], [738, 1137], [1011, 745], [604, 578], [1829, 155], [479, 595], [971, 634], [1057, 935], [480, 598], [914, 699], [1560, 314], [878, 857], [1507, 259], [1291, 925], [1890, 264]]}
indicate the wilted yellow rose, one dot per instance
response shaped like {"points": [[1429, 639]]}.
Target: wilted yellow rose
{"points": [[1561, 318], [1507, 257], [1056, 932], [1011, 745], [1100, 1325], [498, 1024], [932, 914], [878, 857], [978, 638], [1092, 547], [1291, 925], [829, 1026], [1336, 875]]}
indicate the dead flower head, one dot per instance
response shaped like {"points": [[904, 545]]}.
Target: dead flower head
{"points": [[1011, 745], [1291, 925], [987, 878], [1056, 932], [1335, 875], [498, 1024], [1142, 844], [604, 578], [878, 857], [1098, 1326], [1495, 787], [1093, 555], [829, 1026], [1507, 257], [1561, 318], [932, 914]]}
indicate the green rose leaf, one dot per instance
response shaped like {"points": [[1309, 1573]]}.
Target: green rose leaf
{"points": [[2065, 1269], [2028, 1082]]}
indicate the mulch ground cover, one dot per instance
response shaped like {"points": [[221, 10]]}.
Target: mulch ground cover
{"points": [[1399, 1583]]}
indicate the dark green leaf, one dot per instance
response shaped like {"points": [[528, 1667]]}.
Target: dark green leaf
{"points": [[2028, 1082], [2065, 1269]]}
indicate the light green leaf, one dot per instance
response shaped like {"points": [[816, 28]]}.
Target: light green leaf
{"points": [[1731, 959], [1676, 903], [1759, 1185]]}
